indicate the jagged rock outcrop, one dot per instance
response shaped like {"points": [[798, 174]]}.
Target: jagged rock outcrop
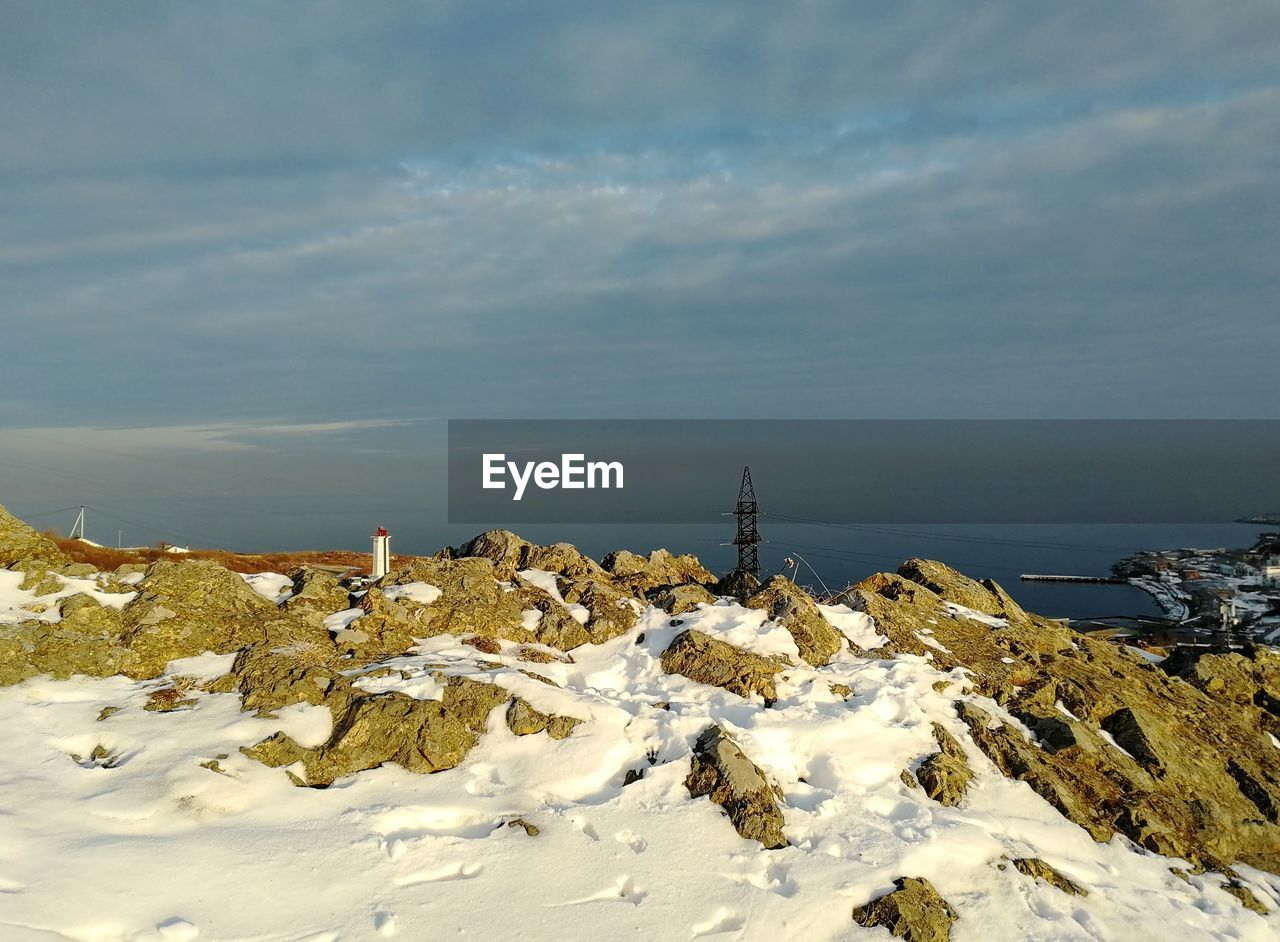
{"points": [[708, 660], [914, 911], [1037, 869], [186, 608], [612, 612], [1250, 679], [1121, 747], [945, 775], [24, 548], [793, 608], [269, 678], [641, 574], [317, 590], [524, 720], [510, 554], [89, 640], [371, 730], [722, 771], [678, 599], [737, 584]]}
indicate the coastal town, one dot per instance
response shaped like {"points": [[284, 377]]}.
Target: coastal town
{"points": [[1211, 596]]}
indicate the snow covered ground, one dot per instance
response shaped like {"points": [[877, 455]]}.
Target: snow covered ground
{"points": [[152, 826]]}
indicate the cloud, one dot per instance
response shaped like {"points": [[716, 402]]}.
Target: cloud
{"points": [[213, 437], [215, 214]]}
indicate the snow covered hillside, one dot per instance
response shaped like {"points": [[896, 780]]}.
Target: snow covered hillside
{"points": [[130, 811]]}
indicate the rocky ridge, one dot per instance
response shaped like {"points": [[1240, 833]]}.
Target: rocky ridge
{"points": [[1175, 758]]}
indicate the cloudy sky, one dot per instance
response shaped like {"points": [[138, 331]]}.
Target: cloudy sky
{"points": [[254, 233]]}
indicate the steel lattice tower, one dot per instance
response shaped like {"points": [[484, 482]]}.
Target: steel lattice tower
{"points": [[748, 536]]}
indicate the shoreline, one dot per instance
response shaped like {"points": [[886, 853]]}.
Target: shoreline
{"points": [[1170, 599]]}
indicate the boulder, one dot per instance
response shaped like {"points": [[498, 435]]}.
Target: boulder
{"points": [[187, 608], [524, 720], [420, 735], [945, 775], [472, 600], [269, 678], [510, 554], [737, 584], [612, 612], [678, 599], [1037, 869], [794, 609], [317, 590], [642, 574], [22, 547], [913, 911], [89, 641], [370, 730], [721, 771], [707, 660]]}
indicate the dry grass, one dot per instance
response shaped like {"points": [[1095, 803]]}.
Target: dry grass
{"points": [[484, 643], [104, 558]]}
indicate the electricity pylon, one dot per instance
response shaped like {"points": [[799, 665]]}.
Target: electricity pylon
{"points": [[748, 536]]}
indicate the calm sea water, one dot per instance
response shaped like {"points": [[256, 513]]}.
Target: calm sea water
{"points": [[837, 555]]}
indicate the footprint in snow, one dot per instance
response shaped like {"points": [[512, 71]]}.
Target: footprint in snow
{"points": [[177, 929], [723, 920], [633, 840], [457, 871], [384, 923]]}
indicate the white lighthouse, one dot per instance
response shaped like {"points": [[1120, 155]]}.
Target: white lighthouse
{"points": [[381, 553]]}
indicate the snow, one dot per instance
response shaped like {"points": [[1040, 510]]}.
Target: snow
{"points": [[272, 586], [340, 620], [1145, 654], [161, 847], [18, 605], [975, 615], [546, 581], [858, 627], [423, 593]]}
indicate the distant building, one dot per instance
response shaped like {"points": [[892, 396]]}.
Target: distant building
{"points": [[381, 553], [1271, 570]]}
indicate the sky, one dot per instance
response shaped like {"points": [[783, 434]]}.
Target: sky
{"points": [[271, 247]]}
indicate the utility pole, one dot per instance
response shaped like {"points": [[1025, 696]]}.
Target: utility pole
{"points": [[77, 528], [748, 536]]}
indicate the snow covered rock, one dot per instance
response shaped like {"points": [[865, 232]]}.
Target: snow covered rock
{"points": [[610, 611], [420, 735], [914, 911], [1037, 869], [707, 660], [678, 599], [794, 609], [1117, 745], [720, 770]]}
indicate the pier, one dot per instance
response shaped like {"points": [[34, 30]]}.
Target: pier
{"points": [[1037, 577]]}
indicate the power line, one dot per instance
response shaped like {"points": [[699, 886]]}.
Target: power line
{"points": [[952, 537], [840, 555]]}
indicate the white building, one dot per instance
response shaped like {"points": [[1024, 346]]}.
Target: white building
{"points": [[381, 553], [1271, 571]]}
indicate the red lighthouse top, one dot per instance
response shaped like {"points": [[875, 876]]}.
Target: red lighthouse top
{"points": [[381, 531]]}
